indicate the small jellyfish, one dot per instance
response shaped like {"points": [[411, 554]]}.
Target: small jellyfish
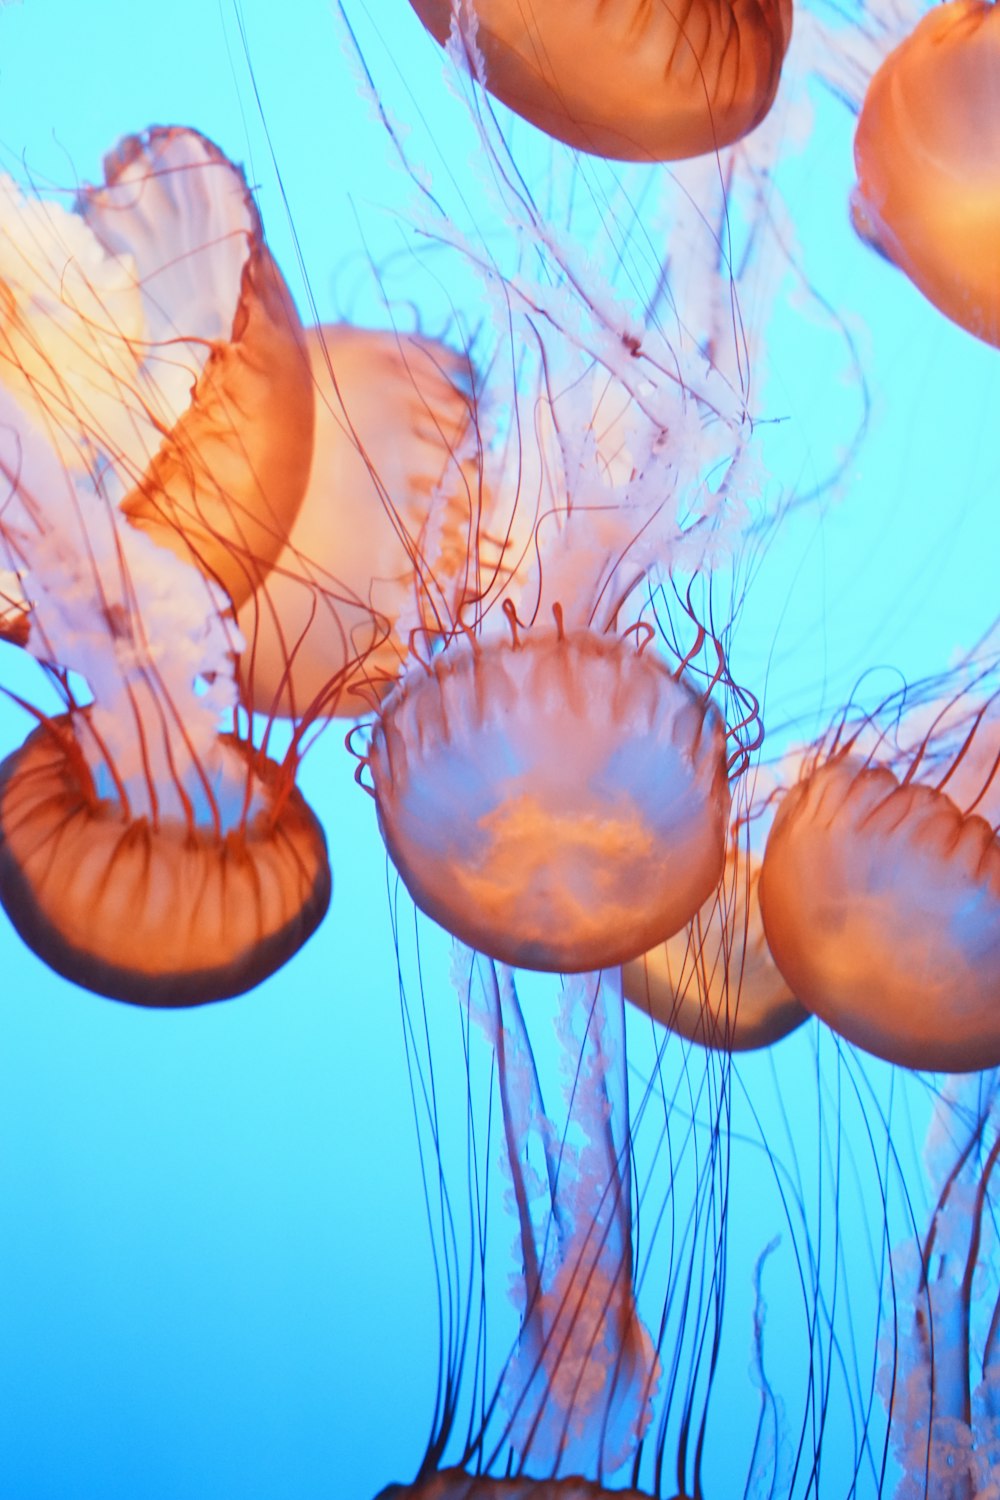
{"points": [[880, 897], [715, 982], [143, 854], [927, 155], [624, 80], [383, 543]]}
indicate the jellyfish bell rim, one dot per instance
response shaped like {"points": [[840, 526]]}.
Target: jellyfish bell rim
{"points": [[441, 723], [457, 1484], [182, 987], [860, 1003]]}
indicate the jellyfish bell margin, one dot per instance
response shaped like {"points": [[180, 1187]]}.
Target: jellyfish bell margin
{"points": [[624, 80], [558, 800]]}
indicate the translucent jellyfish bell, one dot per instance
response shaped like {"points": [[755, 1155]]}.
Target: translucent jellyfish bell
{"points": [[639, 83], [386, 540], [927, 155], [558, 801], [881, 906], [142, 854], [715, 981]]}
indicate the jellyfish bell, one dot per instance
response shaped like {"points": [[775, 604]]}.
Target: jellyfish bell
{"points": [[164, 912], [715, 981], [621, 80], [880, 901], [558, 801], [927, 156], [142, 853], [386, 540], [456, 1484], [227, 374]]}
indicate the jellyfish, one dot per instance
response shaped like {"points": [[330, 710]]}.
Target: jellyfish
{"points": [[940, 1375], [558, 802], [145, 854], [388, 538], [715, 982], [632, 82], [927, 156], [224, 482], [880, 897]]}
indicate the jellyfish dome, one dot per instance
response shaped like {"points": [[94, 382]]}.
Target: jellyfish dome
{"points": [[715, 981], [881, 905], [927, 155], [624, 80], [557, 801], [384, 541], [143, 854], [456, 1484]]}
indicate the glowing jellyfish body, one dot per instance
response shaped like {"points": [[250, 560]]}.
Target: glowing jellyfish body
{"points": [[881, 906], [142, 853], [715, 982], [384, 537], [559, 802], [166, 913], [622, 79], [927, 155]]}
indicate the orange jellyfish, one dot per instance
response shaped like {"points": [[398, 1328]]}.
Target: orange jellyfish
{"points": [[927, 155], [558, 801], [385, 541], [880, 896], [715, 982], [633, 82], [225, 347], [144, 854]]}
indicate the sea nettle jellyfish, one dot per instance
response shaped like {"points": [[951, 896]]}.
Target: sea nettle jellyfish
{"points": [[552, 780], [390, 537], [715, 981], [927, 154], [880, 893], [143, 854], [622, 79]]}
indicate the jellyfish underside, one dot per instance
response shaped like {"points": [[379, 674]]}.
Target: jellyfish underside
{"points": [[624, 80], [558, 802], [927, 156], [158, 914], [881, 907]]}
